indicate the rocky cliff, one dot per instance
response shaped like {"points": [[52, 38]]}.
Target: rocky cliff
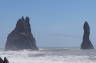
{"points": [[21, 37]]}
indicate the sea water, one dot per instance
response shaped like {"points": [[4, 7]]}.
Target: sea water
{"points": [[51, 55]]}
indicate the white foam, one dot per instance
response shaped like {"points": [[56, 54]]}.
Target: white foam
{"points": [[43, 56]]}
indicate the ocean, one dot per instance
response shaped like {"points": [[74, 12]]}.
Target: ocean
{"points": [[51, 55]]}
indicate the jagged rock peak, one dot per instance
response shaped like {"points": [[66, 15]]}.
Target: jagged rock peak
{"points": [[23, 25], [21, 37], [86, 44]]}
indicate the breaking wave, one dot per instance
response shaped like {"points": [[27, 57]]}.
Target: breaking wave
{"points": [[50, 55]]}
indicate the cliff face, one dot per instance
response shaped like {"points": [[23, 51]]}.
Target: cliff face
{"points": [[86, 44], [21, 37]]}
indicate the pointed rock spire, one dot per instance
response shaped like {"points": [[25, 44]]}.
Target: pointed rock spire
{"points": [[86, 44], [5, 60]]}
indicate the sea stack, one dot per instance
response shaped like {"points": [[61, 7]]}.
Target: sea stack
{"points": [[86, 44], [21, 37]]}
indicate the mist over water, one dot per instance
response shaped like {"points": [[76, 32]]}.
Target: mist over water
{"points": [[51, 55]]}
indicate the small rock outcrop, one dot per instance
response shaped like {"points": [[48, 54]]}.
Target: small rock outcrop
{"points": [[21, 37], [86, 44], [4, 61], [1, 60]]}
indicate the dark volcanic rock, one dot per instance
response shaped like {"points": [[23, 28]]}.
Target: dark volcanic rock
{"points": [[1, 60], [86, 44], [21, 37], [4, 61]]}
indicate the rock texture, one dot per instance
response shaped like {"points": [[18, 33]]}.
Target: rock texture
{"points": [[86, 44], [21, 37]]}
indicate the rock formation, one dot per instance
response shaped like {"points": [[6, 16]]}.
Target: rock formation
{"points": [[4, 61], [1, 60], [21, 37], [86, 44]]}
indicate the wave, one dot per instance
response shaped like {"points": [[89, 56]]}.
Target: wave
{"points": [[51, 55]]}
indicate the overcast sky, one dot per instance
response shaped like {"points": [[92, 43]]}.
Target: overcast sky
{"points": [[54, 23]]}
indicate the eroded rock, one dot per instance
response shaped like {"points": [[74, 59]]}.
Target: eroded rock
{"points": [[21, 37], [86, 44]]}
